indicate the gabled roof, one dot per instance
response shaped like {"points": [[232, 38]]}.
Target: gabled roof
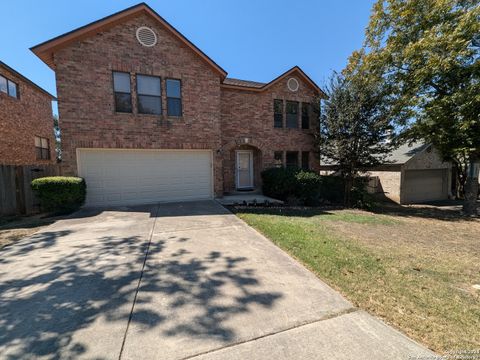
{"points": [[399, 156], [405, 152], [257, 86], [16, 73], [46, 49]]}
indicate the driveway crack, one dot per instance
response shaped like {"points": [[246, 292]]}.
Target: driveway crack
{"points": [[139, 282], [328, 316]]}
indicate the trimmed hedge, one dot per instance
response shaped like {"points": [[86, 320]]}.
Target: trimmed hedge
{"points": [[60, 193], [307, 187]]}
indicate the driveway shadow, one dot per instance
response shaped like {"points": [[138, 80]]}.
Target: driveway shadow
{"points": [[204, 292], [71, 303]]}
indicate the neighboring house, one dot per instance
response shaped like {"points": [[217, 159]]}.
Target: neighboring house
{"points": [[26, 121], [146, 116], [411, 174]]}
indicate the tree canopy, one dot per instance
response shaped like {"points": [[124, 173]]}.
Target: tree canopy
{"points": [[354, 127], [427, 54]]}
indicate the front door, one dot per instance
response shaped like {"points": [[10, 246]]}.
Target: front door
{"points": [[244, 169]]}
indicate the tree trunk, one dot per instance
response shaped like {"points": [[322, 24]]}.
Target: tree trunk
{"points": [[348, 191], [471, 189], [460, 173]]}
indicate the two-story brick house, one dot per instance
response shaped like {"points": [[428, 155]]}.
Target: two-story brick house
{"points": [[26, 121], [146, 116]]}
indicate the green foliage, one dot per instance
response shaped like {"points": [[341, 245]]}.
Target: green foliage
{"points": [[361, 199], [60, 193], [426, 54], [355, 125], [279, 183], [306, 187]]}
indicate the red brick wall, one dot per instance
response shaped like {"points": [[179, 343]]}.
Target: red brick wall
{"points": [[213, 118], [21, 120], [247, 114], [86, 98]]}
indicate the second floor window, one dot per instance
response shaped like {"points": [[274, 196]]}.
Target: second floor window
{"points": [[42, 148], [174, 97], [306, 109], [277, 113], [292, 114], [8, 87], [123, 95], [149, 95]]}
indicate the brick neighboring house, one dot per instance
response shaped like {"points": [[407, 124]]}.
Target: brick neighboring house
{"points": [[26, 121], [146, 116]]}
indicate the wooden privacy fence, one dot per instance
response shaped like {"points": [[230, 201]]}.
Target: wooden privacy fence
{"points": [[16, 195]]}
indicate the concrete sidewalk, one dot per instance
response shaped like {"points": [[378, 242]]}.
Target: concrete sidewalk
{"points": [[175, 281]]}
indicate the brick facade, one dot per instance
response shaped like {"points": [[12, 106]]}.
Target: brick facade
{"points": [[214, 117], [248, 116], [23, 118]]}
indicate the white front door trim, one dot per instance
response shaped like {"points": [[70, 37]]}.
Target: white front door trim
{"points": [[237, 168]]}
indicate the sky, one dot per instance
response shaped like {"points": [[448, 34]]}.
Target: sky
{"points": [[251, 40]]}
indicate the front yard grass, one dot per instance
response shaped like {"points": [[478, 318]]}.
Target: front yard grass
{"points": [[416, 273]]}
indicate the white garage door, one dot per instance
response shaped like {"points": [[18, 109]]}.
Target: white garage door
{"points": [[122, 177], [425, 185]]}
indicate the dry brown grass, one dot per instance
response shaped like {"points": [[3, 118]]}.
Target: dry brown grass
{"points": [[413, 270]]}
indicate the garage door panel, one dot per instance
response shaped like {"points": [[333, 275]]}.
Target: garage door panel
{"points": [[117, 177], [425, 185]]}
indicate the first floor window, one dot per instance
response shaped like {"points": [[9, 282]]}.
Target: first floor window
{"points": [[123, 94], [292, 159], [305, 160], [278, 158], [42, 148], [174, 97], [292, 114], [149, 95], [8, 87], [277, 113]]}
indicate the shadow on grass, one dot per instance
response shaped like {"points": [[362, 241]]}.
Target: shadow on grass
{"points": [[448, 210], [305, 212]]}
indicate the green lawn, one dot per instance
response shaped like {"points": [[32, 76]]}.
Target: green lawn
{"points": [[415, 273]]}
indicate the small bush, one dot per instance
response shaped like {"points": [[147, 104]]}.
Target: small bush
{"points": [[60, 194], [279, 183], [332, 189], [298, 186], [361, 199], [308, 187]]}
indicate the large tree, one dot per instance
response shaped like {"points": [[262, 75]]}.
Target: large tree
{"points": [[354, 127], [427, 52]]}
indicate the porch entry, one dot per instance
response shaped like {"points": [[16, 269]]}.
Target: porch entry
{"points": [[244, 169]]}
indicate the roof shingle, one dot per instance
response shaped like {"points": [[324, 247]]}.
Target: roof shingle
{"points": [[246, 83]]}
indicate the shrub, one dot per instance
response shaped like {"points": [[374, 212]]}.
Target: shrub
{"points": [[361, 199], [292, 185], [279, 183], [332, 189], [60, 194], [308, 187]]}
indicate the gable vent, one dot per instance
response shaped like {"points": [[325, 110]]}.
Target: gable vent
{"points": [[146, 36]]}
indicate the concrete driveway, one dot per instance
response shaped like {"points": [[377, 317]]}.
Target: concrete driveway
{"points": [[175, 281]]}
